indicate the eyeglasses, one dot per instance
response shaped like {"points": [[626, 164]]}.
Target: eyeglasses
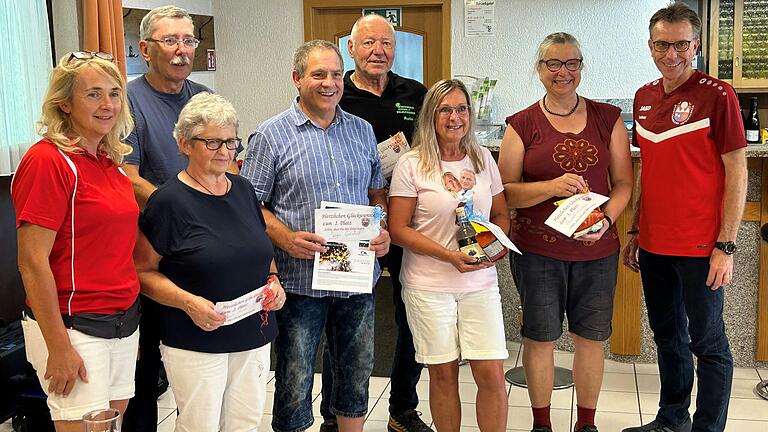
{"points": [[87, 55], [663, 46], [554, 65], [173, 41], [216, 143], [446, 110]]}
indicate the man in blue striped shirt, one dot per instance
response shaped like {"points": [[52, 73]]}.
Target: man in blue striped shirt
{"points": [[311, 152]]}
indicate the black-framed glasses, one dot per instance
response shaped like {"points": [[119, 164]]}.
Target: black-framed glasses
{"points": [[173, 41], [446, 110], [554, 65], [216, 143], [663, 46], [87, 55]]}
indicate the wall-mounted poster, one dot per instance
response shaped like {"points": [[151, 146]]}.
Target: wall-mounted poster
{"points": [[135, 64]]}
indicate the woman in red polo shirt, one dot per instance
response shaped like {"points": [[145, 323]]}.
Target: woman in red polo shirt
{"points": [[76, 221]]}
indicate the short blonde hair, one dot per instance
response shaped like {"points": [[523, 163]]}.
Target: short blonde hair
{"points": [[56, 125], [202, 110]]}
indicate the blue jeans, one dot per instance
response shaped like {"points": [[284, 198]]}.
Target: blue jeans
{"points": [[348, 325], [686, 317], [406, 372]]}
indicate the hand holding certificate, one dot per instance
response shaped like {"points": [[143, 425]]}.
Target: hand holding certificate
{"points": [[571, 213], [390, 151], [348, 263], [245, 305]]}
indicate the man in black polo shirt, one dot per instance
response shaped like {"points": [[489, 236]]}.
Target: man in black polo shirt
{"points": [[390, 103]]}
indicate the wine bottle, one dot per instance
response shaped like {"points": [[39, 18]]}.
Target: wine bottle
{"points": [[467, 237], [752, 123]]}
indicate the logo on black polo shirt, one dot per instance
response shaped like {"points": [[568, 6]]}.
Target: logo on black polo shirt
{"points": [[407, 111], [682, 112]]}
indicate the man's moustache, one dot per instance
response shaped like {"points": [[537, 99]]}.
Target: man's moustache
{"points": [[179, 61]]}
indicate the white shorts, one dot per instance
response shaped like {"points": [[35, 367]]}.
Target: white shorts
{"points": [[218, 392], [445, 325], [110, 365]]}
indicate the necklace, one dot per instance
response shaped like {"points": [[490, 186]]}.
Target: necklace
{"points": [[573, 110], [203, 186]]}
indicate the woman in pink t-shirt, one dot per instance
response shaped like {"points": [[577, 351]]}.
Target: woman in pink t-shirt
{"points": [[551, 150], [452, 301]]}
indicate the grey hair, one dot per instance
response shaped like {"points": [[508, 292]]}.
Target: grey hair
{"points": [[204, 109], [557, 38], [674, 13], [370, 17], [301, 54], [149, 22]]}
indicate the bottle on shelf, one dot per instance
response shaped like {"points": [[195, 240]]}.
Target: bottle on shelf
{"points": [[466, 236], [752, 122]]}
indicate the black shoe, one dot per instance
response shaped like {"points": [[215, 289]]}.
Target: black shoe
{"points": [[329, 426], [539, 428], [409, 421], [587, 428], [657, 426]]}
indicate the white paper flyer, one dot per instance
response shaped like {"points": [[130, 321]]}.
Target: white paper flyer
{"points": [[390, 151], [500, 236], [479, 17], [571, 213], [348, 263], [243, 306]]}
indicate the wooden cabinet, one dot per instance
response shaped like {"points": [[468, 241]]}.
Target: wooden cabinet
{"points": [[738, 45]]}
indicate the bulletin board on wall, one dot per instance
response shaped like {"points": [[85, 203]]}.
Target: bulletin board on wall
{"points": [[205, 54]]}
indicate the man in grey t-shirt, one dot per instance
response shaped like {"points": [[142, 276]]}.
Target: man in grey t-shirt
{"points": [[156, 98]]}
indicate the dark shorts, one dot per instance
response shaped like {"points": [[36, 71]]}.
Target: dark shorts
{"points": [[550, 289]]}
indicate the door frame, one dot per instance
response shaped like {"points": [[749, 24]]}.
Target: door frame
{"points": [[311, 6]]}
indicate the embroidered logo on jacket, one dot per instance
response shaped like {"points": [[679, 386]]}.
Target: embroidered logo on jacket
{"points": [[682, 112]]}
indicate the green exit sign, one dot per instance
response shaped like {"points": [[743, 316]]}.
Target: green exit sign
{"points": [[393, 15]]}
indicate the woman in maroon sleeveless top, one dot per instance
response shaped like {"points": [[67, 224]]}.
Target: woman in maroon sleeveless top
{"points": [[552, 150]]}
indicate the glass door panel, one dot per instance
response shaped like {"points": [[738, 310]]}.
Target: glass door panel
{"points": [[725, 40], [755, 40]]}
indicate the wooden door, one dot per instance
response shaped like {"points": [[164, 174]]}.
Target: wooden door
{"points": [[431, 19]]}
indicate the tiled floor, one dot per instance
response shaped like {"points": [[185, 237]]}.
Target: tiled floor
{"points": [[629, 396]]}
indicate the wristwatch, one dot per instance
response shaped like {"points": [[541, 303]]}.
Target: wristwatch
{"points": [[728, 247]]}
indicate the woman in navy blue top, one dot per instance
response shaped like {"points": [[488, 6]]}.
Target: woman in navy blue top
{"points": [[202, 241]]}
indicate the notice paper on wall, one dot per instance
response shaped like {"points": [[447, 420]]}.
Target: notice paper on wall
{"points": [[479, 17]]}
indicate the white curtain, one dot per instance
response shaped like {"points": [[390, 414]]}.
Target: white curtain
{"points": [[25, 64]]}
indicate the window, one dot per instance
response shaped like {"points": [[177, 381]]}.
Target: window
{"points": [[25, 63]]}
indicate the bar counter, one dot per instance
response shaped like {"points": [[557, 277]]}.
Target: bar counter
{"points": [[746, 298]]}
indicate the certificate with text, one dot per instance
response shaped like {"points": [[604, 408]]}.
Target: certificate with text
{"points": [[243, 306], [390, 151], [571, 212], [348, 263]]}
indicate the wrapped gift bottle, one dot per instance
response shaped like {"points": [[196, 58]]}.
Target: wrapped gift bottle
{"points": [[467, 237], [490, 244]]}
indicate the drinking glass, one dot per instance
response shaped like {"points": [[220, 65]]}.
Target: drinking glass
{"points": [[103, 420]]}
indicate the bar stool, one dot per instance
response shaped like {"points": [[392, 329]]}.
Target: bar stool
{"points": [[516, 375]]}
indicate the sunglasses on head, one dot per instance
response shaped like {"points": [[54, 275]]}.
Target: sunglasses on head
{"points": [[88, 55]]}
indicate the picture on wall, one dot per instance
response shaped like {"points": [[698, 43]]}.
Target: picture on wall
{"points": [[135, 64]]}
